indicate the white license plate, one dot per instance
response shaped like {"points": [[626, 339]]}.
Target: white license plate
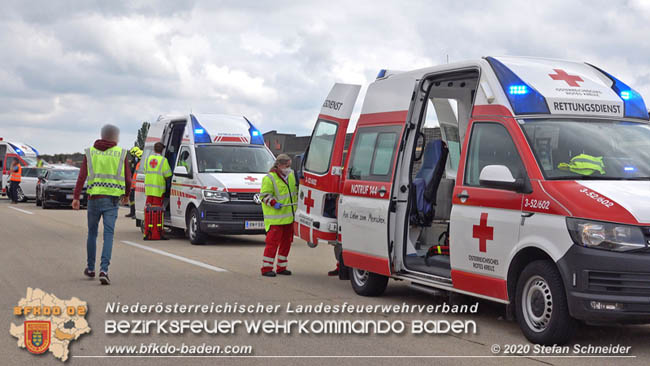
{"points": [[253, 225]]}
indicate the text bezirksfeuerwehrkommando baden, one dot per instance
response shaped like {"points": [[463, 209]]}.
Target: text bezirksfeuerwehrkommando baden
{"points": [[288, 308]]}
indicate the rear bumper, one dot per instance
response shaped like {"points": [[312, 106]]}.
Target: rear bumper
{"points": [[230, 218], [61, 198], [607, 287]]}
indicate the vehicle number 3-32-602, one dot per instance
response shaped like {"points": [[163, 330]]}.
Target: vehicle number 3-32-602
{"points": [[538, 204]]}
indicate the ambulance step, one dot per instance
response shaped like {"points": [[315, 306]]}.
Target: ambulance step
{"points": [[426, 289]]}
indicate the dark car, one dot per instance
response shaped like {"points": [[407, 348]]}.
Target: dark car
{"points": [[56, 186]]}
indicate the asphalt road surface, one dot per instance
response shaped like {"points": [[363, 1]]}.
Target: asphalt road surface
{"points": [[46, 249]]}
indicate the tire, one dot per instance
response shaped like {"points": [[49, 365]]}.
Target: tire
{"points": [[21, 195], [541, 304], [44, 205], [194, 228], [367, 283]]}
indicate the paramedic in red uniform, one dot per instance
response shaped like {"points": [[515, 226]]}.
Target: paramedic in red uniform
{"points": [[278, 195]]}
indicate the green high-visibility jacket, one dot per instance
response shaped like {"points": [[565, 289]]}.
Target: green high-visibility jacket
{"points": [[274, 188], [156, 170], [106, 171], [584, 164]]}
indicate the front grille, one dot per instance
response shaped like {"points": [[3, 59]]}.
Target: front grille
{"points": [[620, 283], [234, 216], [239, 196]]}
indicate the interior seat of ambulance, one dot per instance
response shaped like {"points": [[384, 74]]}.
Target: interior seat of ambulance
{"points": [[433, 176], [172, 145]]}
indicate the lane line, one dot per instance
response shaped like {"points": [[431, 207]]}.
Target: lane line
{"points": [[177, 257], [21, 210]]}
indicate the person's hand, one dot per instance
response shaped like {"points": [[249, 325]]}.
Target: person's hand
{"points": [[277, 205], [76, 204], [124, 200]]}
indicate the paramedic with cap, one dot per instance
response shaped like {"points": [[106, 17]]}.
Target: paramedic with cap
{"points": [[106, 166], [156, 173], [278, 195]]}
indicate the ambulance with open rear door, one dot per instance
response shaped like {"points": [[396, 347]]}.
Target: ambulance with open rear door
{"points": [[536, 195]]}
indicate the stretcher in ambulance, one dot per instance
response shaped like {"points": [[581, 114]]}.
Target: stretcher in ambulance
{"points": [[536, 195], [218, 162], [10, 151]]}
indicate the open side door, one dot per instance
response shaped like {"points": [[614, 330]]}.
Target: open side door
{"points": [[322, 168]]}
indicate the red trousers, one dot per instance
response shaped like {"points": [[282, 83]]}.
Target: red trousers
{"points": [[154, 201], [278, 240]]}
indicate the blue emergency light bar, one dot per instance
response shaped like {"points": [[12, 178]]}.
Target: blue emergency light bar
{"points": [[18, 150], [523, 98], [256, 135], [200, 136], [633, 103], [381, 73]]}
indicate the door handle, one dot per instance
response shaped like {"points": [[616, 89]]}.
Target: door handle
{"points": [[463, 195], [382, 191]]}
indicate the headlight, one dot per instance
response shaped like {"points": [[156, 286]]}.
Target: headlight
{"points": [[216, 196], [604, 235]]}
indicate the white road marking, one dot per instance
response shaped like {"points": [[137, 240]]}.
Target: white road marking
{"points": [[21, 210], [177, 257]]}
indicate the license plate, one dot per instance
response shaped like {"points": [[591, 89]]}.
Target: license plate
{"points": [[69, 196], [253, 225]]}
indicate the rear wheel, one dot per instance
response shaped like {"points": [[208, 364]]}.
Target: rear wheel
{"points": [[194, 233], [367, 283], [21, 195], [541, 304]]}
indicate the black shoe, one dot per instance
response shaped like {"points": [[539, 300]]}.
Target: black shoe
{"points": [[268, 274], [129, 215], [103, 278], [286, 272], [333, 273], [164, 238], [89, 273]]}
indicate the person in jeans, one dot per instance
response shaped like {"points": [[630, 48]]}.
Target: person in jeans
{"points": [[109, 178]]}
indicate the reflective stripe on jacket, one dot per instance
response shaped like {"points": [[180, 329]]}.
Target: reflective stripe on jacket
{"points": [[106, 171], [584, 164], [16, 175], [274, 188], [156, 169]]}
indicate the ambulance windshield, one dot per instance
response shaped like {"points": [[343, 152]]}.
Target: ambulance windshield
{"points": [[233, 159], [590, 149]]}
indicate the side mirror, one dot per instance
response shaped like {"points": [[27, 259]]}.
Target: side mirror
{"points": [[181, 171], [500, 177]]}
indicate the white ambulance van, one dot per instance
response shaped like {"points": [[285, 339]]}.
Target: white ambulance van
{"points": [[539, 188], [10, 151], [218, 163]]}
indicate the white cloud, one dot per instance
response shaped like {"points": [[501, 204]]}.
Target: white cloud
{"points": [[68, 68]]}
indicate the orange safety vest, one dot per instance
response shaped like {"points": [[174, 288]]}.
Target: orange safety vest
{"points": [[15, 175], [135, 173]]}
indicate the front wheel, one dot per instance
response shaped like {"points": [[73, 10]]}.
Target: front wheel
{"points": [[194, 233], [541, 304], [367, 283]]}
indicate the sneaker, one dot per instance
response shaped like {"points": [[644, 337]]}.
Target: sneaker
{"points": [[286, 272], [103, 278], [333, 273], [89, 273], [268, 274]]}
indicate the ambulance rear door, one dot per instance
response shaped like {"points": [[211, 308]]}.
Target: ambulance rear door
{"points": [[316, 216]]}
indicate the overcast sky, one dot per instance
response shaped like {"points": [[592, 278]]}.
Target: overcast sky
{"points": [[67, 67]]}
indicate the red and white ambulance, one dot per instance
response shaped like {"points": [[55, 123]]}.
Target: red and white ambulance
{"points": [[218, 163], [10, 151], [537, 194]]}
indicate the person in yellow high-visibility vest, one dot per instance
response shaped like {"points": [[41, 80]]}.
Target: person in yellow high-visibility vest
{"points": [[156, 173], [106, 168], [279, 196]]}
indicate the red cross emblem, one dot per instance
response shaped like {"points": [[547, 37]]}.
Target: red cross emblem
{"points": [[153, 163], [483, 233], [250, 179], [309, 202], [572, 80], [179, 202]]}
